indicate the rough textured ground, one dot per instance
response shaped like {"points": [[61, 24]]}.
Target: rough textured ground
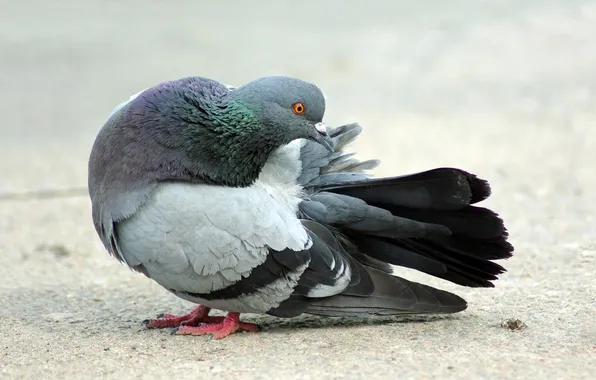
{"points": [[505, 89]]}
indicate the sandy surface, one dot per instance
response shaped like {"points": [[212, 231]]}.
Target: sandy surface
{"points": [[505, 90]]}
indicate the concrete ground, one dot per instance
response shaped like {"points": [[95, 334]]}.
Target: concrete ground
{"points": [[504, 89]]}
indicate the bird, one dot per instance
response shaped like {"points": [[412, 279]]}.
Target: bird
{"points": [[242, 199]]}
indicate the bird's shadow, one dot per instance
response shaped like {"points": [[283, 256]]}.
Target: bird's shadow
{"points": [[279, 325]]}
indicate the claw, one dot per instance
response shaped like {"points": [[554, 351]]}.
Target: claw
{"points": [[198, 315], [227, 326], [198, 322]]}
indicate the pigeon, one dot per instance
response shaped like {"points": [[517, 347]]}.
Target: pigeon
{"points": [[242, 199]]}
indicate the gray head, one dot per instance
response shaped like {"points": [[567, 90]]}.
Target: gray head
{"points": [[284, 105]]}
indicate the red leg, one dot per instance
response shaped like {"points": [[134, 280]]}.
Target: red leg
{"points": [[198, 315], [228, 326]]}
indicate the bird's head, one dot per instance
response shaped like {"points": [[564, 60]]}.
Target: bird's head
{"points": [[285, 109]]}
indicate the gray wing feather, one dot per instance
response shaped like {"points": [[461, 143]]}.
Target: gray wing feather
{"points": [[355, 214], [321, 168], [313, 157], [344, 134]]}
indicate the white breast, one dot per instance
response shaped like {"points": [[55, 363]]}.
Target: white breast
{"points": [[279, 175], [201, 238]]}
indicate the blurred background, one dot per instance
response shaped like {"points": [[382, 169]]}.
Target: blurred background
{"points": [[505, 89], [485, 74]]}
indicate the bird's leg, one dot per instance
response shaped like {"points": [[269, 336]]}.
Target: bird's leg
{"points": [[228, 326], [198, 315]]}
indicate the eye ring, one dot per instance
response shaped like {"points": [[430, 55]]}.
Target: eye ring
{"points": [[298, 108]]}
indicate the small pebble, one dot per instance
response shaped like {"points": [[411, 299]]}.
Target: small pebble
{"points": [[513, 324]]}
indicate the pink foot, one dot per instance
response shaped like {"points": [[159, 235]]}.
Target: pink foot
{"points": [[198, 315], [228, 326]]}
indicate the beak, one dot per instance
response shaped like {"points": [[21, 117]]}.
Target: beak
{"points": [[322, 137]]}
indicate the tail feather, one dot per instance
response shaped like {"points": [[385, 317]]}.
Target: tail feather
{"points": [[489, 249], [392, 296], [463, 269], [437, 189], [385, 251], [465, 240], [471, 221]]}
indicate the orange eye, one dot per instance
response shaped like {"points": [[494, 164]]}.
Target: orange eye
{"points": [[298, 108]]}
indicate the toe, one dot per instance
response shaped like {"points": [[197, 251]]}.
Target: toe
{"points": [[220, 334]]}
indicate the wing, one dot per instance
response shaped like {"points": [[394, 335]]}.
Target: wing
{"points": [[187, 239]]}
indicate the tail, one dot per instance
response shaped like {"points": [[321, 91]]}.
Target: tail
{"points": [[437, 230], [442, 197]]}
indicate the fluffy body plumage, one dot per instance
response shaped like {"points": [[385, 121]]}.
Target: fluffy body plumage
{"points": [[228, 199]]}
